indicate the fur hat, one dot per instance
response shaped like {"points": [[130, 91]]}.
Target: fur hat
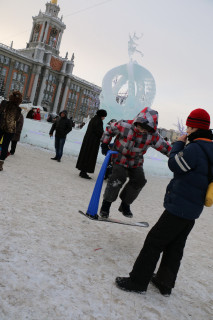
{"points": [[16, 97], [198, 118], [101, 113]]}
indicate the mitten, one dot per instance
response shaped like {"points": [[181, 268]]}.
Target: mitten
{"points": [[104, 148]]}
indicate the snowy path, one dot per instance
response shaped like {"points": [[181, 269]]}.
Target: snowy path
{"points": [[57, 265]]}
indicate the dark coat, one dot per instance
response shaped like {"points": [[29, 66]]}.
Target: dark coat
{"points": [[62, 127], [90, 146], [9, 113], [30, 114], [19, 126], [186, 192]]}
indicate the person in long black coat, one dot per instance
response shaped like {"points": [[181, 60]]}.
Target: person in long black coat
{"points": [[89, 150]]}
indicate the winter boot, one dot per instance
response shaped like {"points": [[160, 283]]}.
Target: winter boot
{"points": [[84, 175], [127, 284], [164, 290], [1, 164], [104, 212], [54, 158], [125, 209]]}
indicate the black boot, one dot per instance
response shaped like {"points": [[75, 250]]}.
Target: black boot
{"points": [[127, 284], [84, 175], [125, 209], [104, 212], [164, 290], [54, 158]]}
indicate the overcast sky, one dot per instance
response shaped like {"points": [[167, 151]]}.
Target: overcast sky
{"points": [[177, 44]]}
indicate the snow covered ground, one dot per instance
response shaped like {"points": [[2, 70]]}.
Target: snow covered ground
{"points": [[56, 264]]}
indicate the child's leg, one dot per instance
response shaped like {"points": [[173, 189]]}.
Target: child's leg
{"points": [[135, 184], [115, 183]]}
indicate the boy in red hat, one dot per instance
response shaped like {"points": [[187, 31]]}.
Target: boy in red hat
{"points": [[183, 202]]}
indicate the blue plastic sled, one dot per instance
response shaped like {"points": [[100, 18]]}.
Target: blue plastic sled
{"points": [[94, 201]]}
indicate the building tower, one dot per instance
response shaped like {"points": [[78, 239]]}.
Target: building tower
{"points": [[44, 77], [46, 33]]}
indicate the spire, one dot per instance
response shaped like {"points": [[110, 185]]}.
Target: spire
{"points": [[54, 2]]}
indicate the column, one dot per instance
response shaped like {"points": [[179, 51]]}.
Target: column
{"points": [[42, 31], [65, 95], [59, 40], [46, 32], [43, 84], [63, 69], [35, 83], [9, 78], [61, 80], [32, 32]]}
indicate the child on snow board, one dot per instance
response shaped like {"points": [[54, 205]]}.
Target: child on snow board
{"points": [[132, 139]]}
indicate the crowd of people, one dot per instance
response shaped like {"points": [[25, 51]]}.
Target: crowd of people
{"points": [[190, 159]]}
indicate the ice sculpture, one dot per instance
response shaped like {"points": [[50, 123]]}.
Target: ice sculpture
{"points": [[128, 88]]}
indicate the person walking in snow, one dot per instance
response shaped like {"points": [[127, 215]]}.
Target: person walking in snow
{"points": [[183, 202], [30, 114], [62, 126], [132, 139], [90, 146], [9, 115]]}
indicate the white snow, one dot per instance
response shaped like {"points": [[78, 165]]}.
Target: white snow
{"points": [[56, 264]]}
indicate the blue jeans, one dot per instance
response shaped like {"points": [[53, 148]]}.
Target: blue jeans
{"points": [[59, 146]]}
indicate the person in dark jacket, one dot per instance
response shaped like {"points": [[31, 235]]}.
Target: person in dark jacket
{"points": [[62, 127], [90, 146], [183, 202], [9, 114], [17, 134], [30, 114]]}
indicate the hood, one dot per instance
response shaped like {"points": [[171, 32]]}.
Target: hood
{"points": [[148, 117], [64, 111]]}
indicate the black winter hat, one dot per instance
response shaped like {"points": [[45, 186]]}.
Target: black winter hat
{"points": [[101, 113], [64, 111]]}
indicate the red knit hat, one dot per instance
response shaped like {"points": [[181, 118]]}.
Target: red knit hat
{"points": [[198, 118]]}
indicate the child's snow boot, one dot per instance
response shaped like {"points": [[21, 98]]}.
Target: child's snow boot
{"points": [[125, 209], [104, 212], [126, 284], [164, 290]]}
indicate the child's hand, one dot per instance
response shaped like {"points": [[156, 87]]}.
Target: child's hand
{"points": [[183, 138]]}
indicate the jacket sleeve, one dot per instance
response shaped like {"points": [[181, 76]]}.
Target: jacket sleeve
{"points": [[113, 130], [19, 124], [160, 144], [182, 159], [53, 128], [69, 126]]}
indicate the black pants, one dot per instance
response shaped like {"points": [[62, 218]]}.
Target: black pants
{"points": [[117, 179], [13, 147], [5, 144], [168, 236]]}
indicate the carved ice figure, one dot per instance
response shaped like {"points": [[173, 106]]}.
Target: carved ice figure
{"points": [[128, 88]]}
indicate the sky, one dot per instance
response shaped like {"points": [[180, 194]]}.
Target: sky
{"points": [[176, 43]]}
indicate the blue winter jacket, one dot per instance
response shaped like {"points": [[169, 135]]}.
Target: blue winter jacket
{"points": [[185, 194]]}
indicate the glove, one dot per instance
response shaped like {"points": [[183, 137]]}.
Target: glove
{"points": [[104, 148]]}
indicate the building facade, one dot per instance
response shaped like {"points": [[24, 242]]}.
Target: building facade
{"points": [[43, 77]]}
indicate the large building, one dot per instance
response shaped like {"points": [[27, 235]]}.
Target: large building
{"points": [[43, 77]]}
